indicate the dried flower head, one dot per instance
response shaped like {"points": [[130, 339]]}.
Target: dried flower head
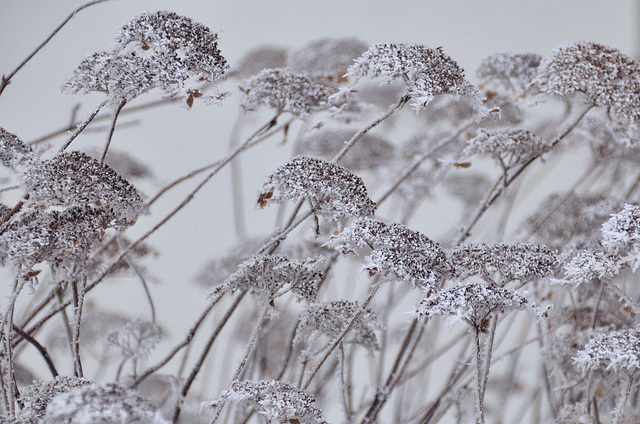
{"points": [[333, 191], [395, 251], [327, 57], [587, 266], [603, 74], [268, 274], [135, 339], [36, 235], [426, 72], [75, 178], [287, 91], [276, 401], [371, 151], [515, 71], [330, 319], [37, 396], [508, 146], [154, 50], [511, 261], [474, 303], [100, 404], [619, 350]]}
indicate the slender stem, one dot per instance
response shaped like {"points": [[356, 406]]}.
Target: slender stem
{"points": [[83, 125], [6, 79], [116, 113], [203, 356], [39, 348], [143, 281], [479, 376], [77, 363]]}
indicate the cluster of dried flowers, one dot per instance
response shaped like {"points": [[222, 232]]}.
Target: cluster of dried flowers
{"points": [[324, 345]]}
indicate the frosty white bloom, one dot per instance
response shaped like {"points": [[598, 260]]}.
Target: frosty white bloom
{"points": [[508, 146], [333, 191], [603, 74], [330, 319], [617, 350], [513, 70], [621, 235], [587, 266], [395, 251], [37, 396], [100, 404], [154, 50], [512, 261], [371, 152], [14, 153], [287, 91], [268, 274], [426, 72], [135, 339], [277, 402], [474, 303]]}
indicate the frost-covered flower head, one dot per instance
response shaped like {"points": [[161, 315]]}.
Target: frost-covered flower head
{"points": [[371, 151], [154, 50], [474, 303], [100, 404], [508, 146], [135, 339], [327, 57], [268, 274], [394, 251], [617, 350], [515, 71], [276, 401], [286, 91], [511, 261], [621, 235], [333, 191], [426, 72], [330, 320], [605, 76]]}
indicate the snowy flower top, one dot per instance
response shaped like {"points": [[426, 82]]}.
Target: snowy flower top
{"points": [[426, 72]]}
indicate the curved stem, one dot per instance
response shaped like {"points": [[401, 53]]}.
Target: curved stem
{"points": [[112, 129]]}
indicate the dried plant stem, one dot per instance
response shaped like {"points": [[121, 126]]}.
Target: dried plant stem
{"points": [[79, 306], [143, 281], [83, 125], [8, 375], [116, 113], [205, 352], [479, 375], [6, 79], [39, 348], [625, 392]]}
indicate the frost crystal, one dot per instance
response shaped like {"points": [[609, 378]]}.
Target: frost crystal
{"points": [[396, 251], [100, 404], [278, 402], [508, 146], [426, 72], [619, 350], [513, 70], [75, 179], [517, 261], [327, 57], [330, 319], [603, 74], [268, 274], [37, 396], [333, 191], [287, 91], [154, 50], [371, 151], [621, 235], [587, 266], [136, 339], [474, 303]]}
